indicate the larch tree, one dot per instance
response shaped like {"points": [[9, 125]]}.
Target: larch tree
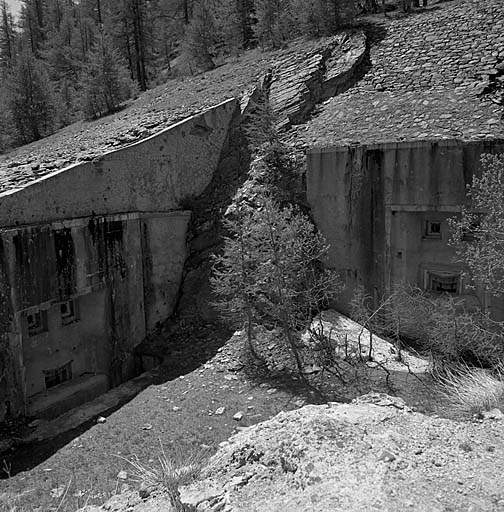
{"points": [[105, 79], [31, 102]]}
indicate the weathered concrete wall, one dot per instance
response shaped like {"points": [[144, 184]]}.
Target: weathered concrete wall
{"points": [[109, 236], [165, 252], [370, 202], [156, 174], [122, 274], [11, 396]]}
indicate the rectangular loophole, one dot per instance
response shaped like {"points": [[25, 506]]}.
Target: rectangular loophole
{"points": [[57, 376], [36, 321], [432, 229], [69, 312], [439, 281]]}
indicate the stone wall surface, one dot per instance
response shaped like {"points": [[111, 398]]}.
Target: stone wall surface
{"points": [[429, 75], [157, 174]]}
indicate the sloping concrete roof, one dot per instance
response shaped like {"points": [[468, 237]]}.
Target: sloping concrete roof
{"points": [[430, 75], [152, 112], [155, 174]]}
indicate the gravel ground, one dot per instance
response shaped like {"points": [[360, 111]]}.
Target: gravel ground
{"points": [[181, 413]]}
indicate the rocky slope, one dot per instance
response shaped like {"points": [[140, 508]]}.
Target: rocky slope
{"points": [[180, 98], [435, 74], [372, 454]]}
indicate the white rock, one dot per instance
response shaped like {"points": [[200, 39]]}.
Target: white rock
{"points": [[493, 414]]}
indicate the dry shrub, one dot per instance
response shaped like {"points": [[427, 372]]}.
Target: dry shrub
{"points": [[469, 392], [444, 326]]}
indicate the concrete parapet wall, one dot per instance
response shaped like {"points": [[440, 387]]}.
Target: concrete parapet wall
{"points": [[156, 174]]}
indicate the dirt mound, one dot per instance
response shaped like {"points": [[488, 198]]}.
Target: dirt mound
{"points": [[374, 453], [358, 456]]}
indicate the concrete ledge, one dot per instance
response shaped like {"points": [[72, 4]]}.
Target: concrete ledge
{"points": [[102, 405], [416, 144], [66, 396]]}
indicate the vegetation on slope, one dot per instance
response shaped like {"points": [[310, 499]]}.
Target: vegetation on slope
{"points": [[62, 61]]}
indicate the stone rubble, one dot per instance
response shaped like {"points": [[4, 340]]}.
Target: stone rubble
{"points": [[301, 82], [431, 75]]}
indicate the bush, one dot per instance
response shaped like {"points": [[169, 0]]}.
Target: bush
{"points": [[441, 325], [469, 392]]}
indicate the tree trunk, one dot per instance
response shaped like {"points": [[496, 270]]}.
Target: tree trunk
{"points": [[138, 37], [98, 7]]}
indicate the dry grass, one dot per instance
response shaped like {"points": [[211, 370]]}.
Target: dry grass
{"points": [[469, 392], [181, 467]]}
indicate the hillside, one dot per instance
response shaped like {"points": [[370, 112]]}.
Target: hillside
{"points": [[437, 74], [434, 74]]}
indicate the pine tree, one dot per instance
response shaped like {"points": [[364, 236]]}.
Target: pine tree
{"points": [[270, 271], [105, 80], [31, 101], [200, 37]]}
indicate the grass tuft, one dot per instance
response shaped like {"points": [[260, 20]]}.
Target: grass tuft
{"points": [[469, 392], [181, 467]]}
